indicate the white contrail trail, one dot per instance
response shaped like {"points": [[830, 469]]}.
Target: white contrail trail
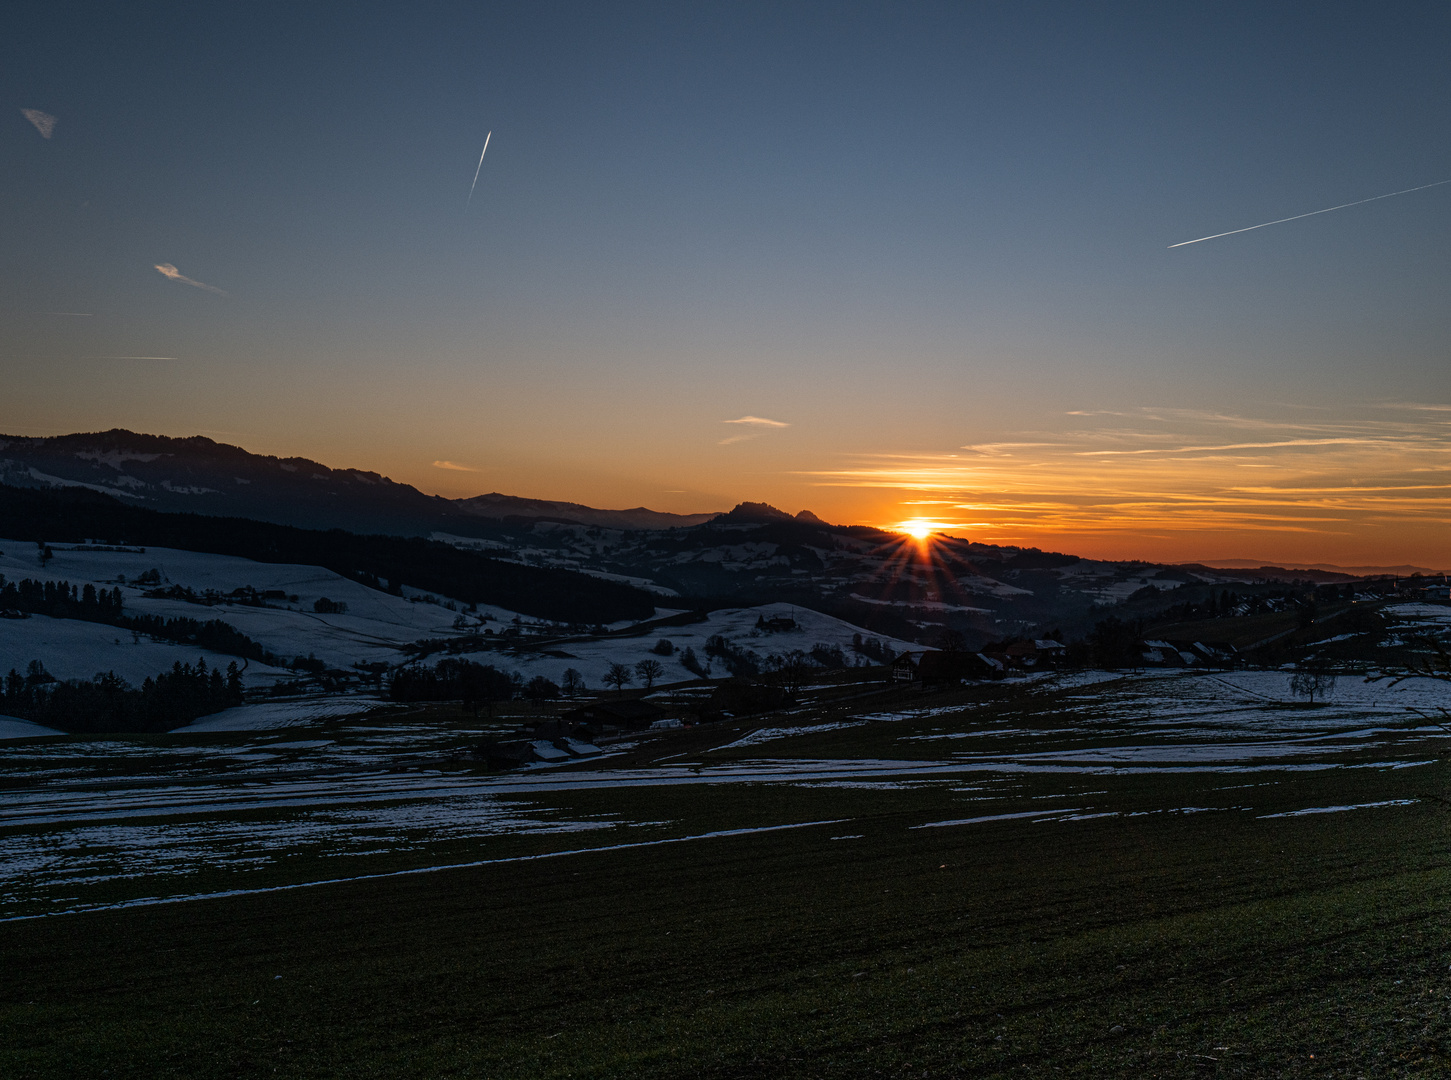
{"points": [[1312, 213], [475, 184]]}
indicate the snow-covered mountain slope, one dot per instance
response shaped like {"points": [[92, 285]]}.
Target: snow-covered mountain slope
{"points": [[886, 581], [752, 555], [373, 627], [197, 475], [592, 657], [72, 649]]}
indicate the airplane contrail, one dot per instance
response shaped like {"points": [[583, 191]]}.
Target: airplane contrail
{"points": [[1312, 213], [475, 184]]}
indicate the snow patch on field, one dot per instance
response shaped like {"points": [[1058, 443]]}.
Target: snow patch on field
{"points": [[762, 735], [281, 714], [1342, 809], [592, 658], [12, 727]]}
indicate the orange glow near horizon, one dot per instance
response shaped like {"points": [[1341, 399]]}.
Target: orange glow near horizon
{"points": [[1182, 486]]}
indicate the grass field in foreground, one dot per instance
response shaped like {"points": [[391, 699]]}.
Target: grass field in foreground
{"points": [[1214, 944]]}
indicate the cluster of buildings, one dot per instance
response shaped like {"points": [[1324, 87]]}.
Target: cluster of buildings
{"points": [[573, 734], [942, 667]]}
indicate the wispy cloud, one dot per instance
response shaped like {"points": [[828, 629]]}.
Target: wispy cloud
{"points": [[755, 426], [44, 122], [167, 270], [454, 466], [1366, 475]]}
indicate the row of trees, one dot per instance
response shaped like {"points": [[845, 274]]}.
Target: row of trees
{"points": [[109, 703], [60, 599], [452, 679], [746, 662]]}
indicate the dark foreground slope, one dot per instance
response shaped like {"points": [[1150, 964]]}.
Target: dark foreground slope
{"points": [[1312, 946], [75, 516]]}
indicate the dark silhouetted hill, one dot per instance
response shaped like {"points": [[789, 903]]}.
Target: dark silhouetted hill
{"points": [[512, 508], [76, 515]]}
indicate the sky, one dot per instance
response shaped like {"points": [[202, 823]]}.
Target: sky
{"points": [[881, 261]]}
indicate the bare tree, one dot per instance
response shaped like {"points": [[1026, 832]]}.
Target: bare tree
{"points": [[791, 669], [572, 683], [618, 675], [1307, 684], [649, 671]]}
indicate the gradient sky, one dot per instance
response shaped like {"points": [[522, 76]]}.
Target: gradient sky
{"points": [[929, 241]]}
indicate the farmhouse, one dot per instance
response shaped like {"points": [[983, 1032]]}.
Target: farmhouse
{"points": [[600, 716], [776, 624], [945, 667], [939, 667]]}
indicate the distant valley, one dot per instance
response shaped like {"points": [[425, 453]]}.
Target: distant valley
{"points": [[752, 555]]}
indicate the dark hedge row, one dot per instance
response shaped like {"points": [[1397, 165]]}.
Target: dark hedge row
{"points": [[455, 680], [62, 600], [108, 703]]}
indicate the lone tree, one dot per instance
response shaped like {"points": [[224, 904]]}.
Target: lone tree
{"points": [[649, 671], [540, 689], [1307, 684], [572, 683], [618, 675]]}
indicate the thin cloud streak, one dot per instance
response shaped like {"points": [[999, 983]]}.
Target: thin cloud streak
{"points": [[760, 423], [1312, 213], [1366, 476], [43, 121], [169, 271], [475, 184], [454, 466]]}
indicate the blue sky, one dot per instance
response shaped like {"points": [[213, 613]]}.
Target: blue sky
{"points": [[900, 230]]}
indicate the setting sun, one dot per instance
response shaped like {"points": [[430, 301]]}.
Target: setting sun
{"points": [[917, 528]]}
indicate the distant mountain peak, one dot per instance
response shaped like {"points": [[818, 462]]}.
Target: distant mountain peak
{"points": [[811, 519], [755, 512]]}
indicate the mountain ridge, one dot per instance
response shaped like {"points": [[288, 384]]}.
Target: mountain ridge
{"points": [[754, 553], [503, 507]]}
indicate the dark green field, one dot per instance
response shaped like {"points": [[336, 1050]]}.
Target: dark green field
{"points": [[1147, 942]]}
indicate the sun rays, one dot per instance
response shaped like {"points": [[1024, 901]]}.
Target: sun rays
{"points": [[1176, 477]]}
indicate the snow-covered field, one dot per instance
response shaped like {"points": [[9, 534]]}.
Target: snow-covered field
{"points": [[374, 628], [71, 649], [360, 787], [269, 715], [12, 727], [593, 658]]}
